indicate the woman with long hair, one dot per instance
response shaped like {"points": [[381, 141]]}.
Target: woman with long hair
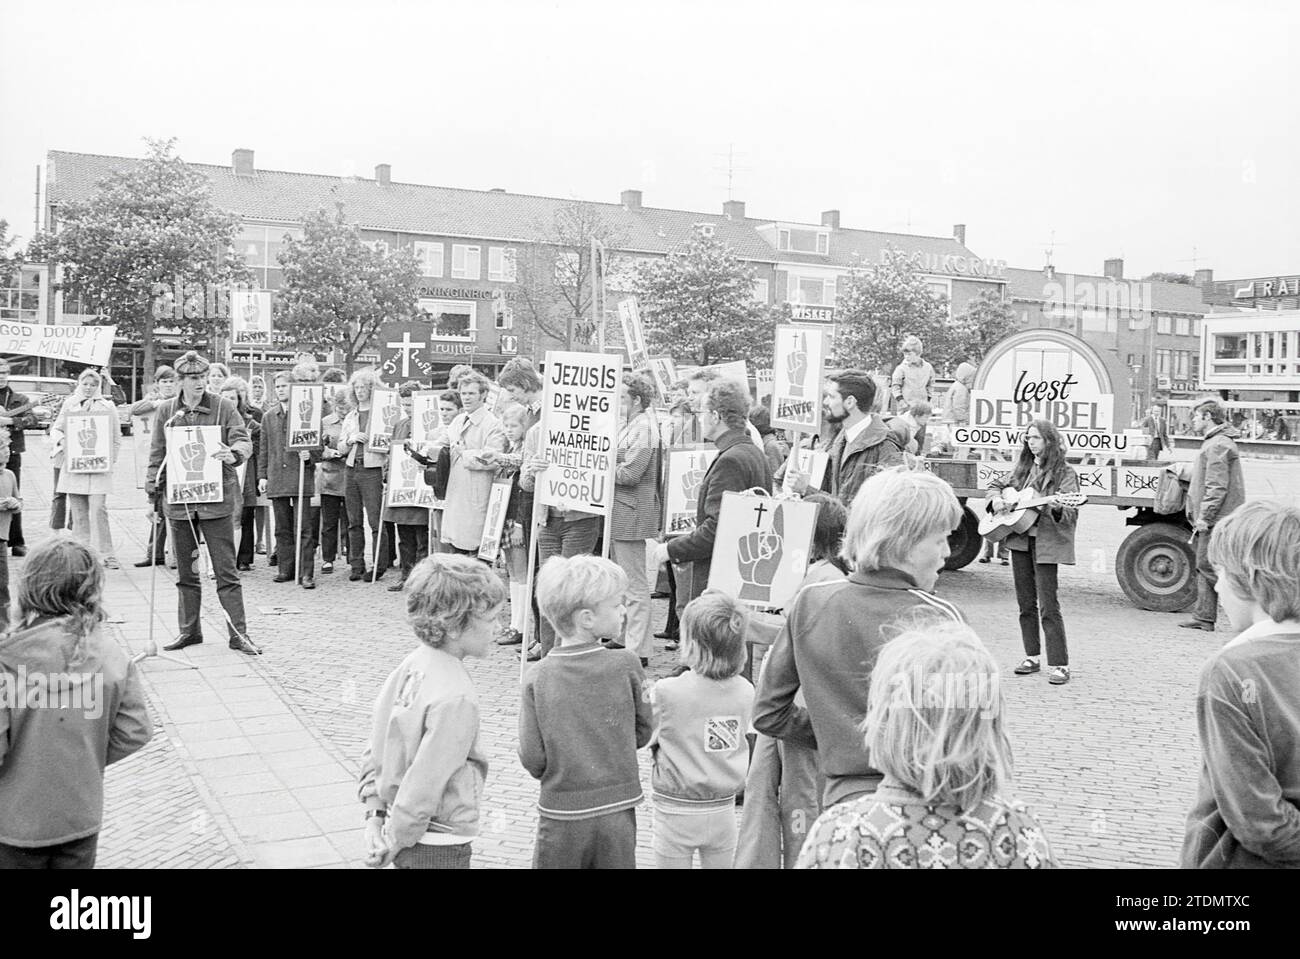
{"points": [[87, 492], [1036, 553]]}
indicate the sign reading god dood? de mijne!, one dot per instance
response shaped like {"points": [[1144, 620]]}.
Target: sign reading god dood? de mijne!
{"points": [[580, 430], [1042, 375]]}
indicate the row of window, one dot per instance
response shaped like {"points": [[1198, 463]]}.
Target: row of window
{"points": [[466, 260], [1179, 364]]}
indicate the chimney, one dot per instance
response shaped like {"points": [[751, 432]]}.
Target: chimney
{"points": [[1204, 278], [1049, 271], [384, 174], [734, 209], [631, 199], [241, 161], [831, 218], [959, 233], [1114, 268]]}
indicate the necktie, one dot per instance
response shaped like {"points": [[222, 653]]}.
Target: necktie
{"points": [[837, 454]]}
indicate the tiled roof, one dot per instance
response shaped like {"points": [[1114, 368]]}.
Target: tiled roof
{"points": [[1165, 297], [412, 208], [848, 247]]}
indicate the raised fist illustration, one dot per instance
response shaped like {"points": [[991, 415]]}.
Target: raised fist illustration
{"points": [[88, 437], [390, 415], [430, 419], [305, 407], [758, 555], [409, 470], [691, 481], [193, 456], [796, 364]]}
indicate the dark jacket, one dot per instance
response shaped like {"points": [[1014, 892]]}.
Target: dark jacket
{"points": [[253, 420], [278, 465], [832, 634], [740, 465], [211, 410], [876, 448], [19, 407], [1217, 486], [1053, 533]]}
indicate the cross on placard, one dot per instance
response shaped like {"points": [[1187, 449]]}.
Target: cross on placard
{"points": [[760, 509], [406, 348]]}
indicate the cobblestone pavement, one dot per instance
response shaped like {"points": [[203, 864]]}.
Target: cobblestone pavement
{"points": [[255, 759]]}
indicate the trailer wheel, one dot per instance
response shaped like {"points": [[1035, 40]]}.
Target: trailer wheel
{"points": [[1156, 568], [964, 541]]}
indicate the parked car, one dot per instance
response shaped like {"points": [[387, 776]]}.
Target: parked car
{"points": [[46, 393]]}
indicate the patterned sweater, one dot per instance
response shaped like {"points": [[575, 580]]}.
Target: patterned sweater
{"points": [[894, 828]]}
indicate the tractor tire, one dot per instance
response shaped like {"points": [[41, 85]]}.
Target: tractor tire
{"points": [[964, 542], [1156, 568]]}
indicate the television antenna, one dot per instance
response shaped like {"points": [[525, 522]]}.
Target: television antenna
{"points": [[732, 169]]}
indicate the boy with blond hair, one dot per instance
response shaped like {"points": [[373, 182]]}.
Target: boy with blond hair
{"points": [[1247, 812], [583, 717]]}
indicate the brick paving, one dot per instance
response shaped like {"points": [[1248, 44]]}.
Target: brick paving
{"points": [[254, 760]]}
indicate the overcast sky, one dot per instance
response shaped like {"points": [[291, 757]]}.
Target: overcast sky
{"points": [[1134, 129]]}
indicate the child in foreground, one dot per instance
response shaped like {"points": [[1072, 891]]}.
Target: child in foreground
{"points": [[1247, 812], [700, 750], [935, 727], [423, 771], [91, 711], [11, 505], [583, 717]]}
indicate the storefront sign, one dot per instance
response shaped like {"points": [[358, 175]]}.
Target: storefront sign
{"points": [[580, 430], [796, 389], [79, 344], [812, 314], [1278, 286], [1048, 375], [457, 293], [954, 264]]}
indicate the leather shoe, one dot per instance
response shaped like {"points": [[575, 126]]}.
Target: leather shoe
{"points": [[240, 567], [1197, 624], [397, 587], [180, 642], [244, 646], [273, 561], [511, 638], [357, 575], [145, 562], [308, 582], [665, 635], [18, 551], [281, 578]]}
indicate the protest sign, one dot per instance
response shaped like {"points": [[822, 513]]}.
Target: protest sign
{"points": [[797, 372], [193, 476], [760, 555], [686, 469], [88, 440], [425, 416], [306, 401], [735, 370], [629, 314], [494, 521], [406, 485], [812, 462], [579, 430], [663, 371], [250, 317], [76, 344], [763, 383], [385, 411]]}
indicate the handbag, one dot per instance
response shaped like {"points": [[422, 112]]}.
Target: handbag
{"points": [[437, 474]]}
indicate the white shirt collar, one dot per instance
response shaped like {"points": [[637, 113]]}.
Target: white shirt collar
{"points": [[1265, 627], [853, 432]]}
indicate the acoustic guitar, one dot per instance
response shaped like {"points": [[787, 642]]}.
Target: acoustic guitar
{"points": [[1023, 513]]}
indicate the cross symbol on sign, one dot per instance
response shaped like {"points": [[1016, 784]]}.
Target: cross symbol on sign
{"points": [[406, 348], [760, 509]]}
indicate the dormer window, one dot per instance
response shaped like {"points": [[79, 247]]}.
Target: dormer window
{"points": [[705, 229], [794, 240]]}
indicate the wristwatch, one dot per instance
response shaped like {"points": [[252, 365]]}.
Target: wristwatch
{"points": [[375, 814]]}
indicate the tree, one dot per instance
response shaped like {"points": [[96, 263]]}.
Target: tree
{"points": [[144, 233], [985, 320], [880, 306], [555, 274], [1170, 278], [699, 306], [8, 263], [338, 290]]}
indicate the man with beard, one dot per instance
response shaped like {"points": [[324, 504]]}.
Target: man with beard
{"points": [[864, 446]]}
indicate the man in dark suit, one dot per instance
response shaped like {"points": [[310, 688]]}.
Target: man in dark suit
{"points": [[16, 415], [740, 465]]}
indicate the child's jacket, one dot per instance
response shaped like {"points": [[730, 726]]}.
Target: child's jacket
{"points": [[425, 764]]}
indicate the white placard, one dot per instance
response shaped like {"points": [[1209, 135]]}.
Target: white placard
{"points": [[579, 430], [385, 412], [406, 485], [74, 344], [306, 401], [425, 415], [250, 317], [493, 521], [812, 462], [797, 374], [664, 373], [629, 315], [686, 469], [760, 555], [193, 476], [88, 440]]}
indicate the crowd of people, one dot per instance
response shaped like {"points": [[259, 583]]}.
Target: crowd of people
{"points": [[822, 715]]}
